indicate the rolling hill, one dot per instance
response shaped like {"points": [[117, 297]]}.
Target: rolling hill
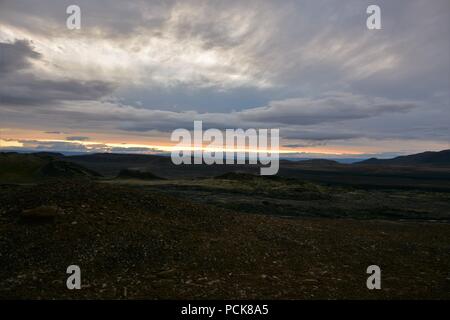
{"points": [[429, 158], [16, 167]]}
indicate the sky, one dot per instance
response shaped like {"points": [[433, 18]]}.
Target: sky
{"points": [[137, 70]]}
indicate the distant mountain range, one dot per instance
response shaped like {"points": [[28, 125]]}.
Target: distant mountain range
{"points": [[428, 170], [440, 158]]}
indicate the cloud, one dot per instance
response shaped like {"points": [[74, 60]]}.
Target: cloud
{"points": [[28, 90], [36, 145], [16, 56], [304, 145], [316, 118], [318, 134], [21, 84], [69, 146], [306, 46], [328, 108], [135, 150], [310, 68], [77, 138]]}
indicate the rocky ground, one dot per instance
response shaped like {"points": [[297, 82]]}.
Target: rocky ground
{"points": [[137, 243], [299, 198]]}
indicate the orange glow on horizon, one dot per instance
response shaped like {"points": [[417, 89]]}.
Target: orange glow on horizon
{"points": [[102, 141], [164, 147]]}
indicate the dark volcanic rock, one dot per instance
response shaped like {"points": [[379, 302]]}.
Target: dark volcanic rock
{"points": [[135, 243], [42, 214]]}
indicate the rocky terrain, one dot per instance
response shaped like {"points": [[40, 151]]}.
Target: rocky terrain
{"points": [[131, 242], [142, 228]]}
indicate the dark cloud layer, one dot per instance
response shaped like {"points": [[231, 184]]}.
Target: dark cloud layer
{"points": [[20, 85], [330, 108], [16, 56], [77, 138]]}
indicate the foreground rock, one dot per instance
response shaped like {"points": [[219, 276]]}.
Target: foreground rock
{"points": [[41, 214], [132, 243]]}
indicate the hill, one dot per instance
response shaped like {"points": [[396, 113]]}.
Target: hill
{"points": [[429, 158], [425, 171], [137, 174], [309, 163], [16, 167]]}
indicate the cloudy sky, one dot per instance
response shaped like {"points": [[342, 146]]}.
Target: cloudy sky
{"points": [[136, 70]]}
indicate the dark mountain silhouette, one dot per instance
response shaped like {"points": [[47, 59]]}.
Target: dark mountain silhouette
{"points": [[425, 170], [46, 154], [17, 167], [137, 174], [319, 162], [63, 169], [119, 157], [430, 158]]}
